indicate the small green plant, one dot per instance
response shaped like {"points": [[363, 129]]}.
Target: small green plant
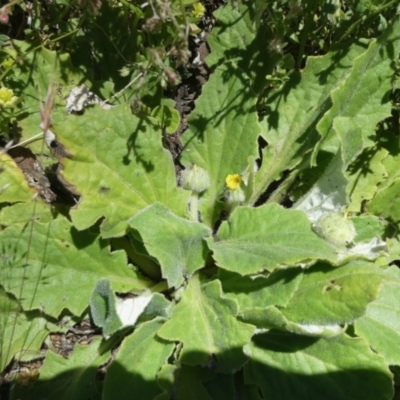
{"points": [[266, 269]]}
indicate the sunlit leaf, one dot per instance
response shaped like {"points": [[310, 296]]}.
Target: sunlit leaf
{"points": [[176, 242], [257, 239], [300, 367], [206, 325], [119, 167]]}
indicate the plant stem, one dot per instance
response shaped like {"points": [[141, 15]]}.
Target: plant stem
{"points": [[194, 206]]}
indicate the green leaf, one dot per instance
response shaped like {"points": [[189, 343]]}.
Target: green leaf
{"points": [[364, 177], [206, 325], [119, 167], [63, 378], [58, 266], [176, 242], [331, 295], [3, 39], [21, 334], [183, 383], [108, 32], [350, 135], [159, 306], [168, 118], [102, 308], [223, 131], [386, 203], [381, 324], [324, 300], [137, 363], [38, 69], [13, 184], [221, 387], [300, 367], [295, 109], [22, 212], [237, 37], [368, 227], [273, 318], [260, 291], [257, 239], [328, 193], [370, 78]]}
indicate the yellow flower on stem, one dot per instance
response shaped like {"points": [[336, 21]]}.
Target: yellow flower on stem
{"points": [[198, 10], [233, 181], [7, 63], [234, 194], [7, 98]]}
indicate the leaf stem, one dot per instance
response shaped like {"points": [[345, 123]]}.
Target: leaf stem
{"points": [[194, 206]]}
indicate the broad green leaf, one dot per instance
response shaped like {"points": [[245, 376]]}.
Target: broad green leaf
{"points": [[63, 378], [257, 239], [206, 325], [168, 117], [36, 210], [391, 162], [223, 131], [292, 367], [351, 138], [328, 193], [332, 295], [21, 334], [158, 306], [386, 203], [371, 78], [369, 226], [236, 37], [295, 109], [135, 368], [260, 291], [13, 184], [102, 308], [58, 266], [38, 69], [165, 379], [138, 255], [381, 324], [364, 177], [273, 318], [221, 387], [119, 167], [183, 383], [177, 243]]}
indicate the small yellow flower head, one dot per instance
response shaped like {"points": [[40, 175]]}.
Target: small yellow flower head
{"points": [[198, 10], [7, 63], [7, 98], [233, 181]]}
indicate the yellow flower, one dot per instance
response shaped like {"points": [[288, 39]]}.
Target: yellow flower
{"points": [[7, 98], [198, 10], [233, 181], [7, 63]]}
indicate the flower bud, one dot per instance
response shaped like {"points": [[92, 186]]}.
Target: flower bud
{"points": [[336, 229], [195, 179], [234, 197]]}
